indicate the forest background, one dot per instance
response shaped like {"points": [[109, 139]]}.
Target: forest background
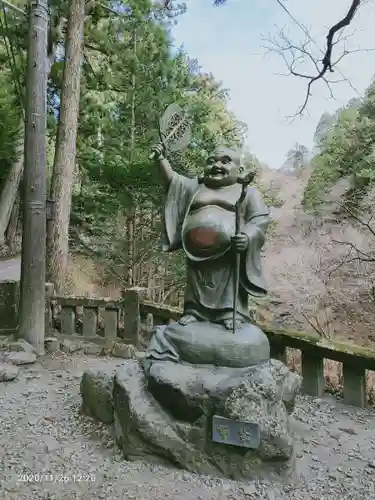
{"points": [[112, 70]]}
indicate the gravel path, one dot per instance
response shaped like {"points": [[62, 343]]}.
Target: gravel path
{"points": [[65, 455]]}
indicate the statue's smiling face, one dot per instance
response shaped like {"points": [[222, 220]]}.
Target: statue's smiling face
{"points": [[220, 171]]}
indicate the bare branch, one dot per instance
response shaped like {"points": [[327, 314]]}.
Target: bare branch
{"points": [[332, 269], [361, 256], [327, 59], [301, 52], [365, 255], [358, 219], [317, 328], [353, 51]]}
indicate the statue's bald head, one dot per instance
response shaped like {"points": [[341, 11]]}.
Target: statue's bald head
{"points": [[234, 154], [223, 167]]}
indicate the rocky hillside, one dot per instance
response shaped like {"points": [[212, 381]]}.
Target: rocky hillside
{"points": [[301, 258]]}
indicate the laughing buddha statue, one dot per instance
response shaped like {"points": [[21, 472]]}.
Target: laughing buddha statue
{"points": [[200, 218]]}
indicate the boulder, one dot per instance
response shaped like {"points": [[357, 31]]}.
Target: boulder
{"points": [[183, 391], [51, 344], [20, 345], [20, 358], [8, 372], [92, 349], [72, 345], [121, 350], [165, 413], [96, 391], [145, 430]]}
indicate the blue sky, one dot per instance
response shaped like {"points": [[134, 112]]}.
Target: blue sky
{"points": [[228, 41]]}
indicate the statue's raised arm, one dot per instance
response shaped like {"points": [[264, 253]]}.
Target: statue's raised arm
{"points": [[165, 169], [179, 193]]}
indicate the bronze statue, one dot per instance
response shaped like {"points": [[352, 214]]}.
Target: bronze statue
{"points": [[199, 216], [198, 377]]}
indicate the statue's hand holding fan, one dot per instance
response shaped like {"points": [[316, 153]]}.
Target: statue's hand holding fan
{"points": [[174, 130]]}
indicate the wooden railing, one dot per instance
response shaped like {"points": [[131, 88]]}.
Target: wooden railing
{"points": [[131, 320], [95, 320]]}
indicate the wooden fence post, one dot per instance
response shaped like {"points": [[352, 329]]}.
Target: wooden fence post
{"points": [[313, 374], [131, 298], [111, 316], [354, 384], [90, 320]]}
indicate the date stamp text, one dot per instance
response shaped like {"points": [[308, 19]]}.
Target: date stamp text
{"points": [[60, 478]]}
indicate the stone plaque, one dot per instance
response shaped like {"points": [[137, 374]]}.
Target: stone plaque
{"points": [[235, 432]]}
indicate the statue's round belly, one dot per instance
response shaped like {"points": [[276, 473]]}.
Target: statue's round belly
{"points": [[207, 231]]}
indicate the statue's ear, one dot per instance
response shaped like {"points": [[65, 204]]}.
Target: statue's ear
{"points": [[241, 169]]}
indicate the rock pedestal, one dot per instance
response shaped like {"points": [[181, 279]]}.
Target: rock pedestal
{"points": [[164, 412]]}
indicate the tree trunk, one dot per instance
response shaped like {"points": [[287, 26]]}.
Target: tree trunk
{"points": [[130, 247], [12, 229], [135, 254], [32, 296], [134, 91], [65, 153], [9, 192]]}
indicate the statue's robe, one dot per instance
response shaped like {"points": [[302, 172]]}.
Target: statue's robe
{"points": [[202, 221]]}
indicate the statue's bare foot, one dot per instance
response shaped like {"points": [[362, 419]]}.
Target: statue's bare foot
{"points": [[187, 319], [228, 323]]}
